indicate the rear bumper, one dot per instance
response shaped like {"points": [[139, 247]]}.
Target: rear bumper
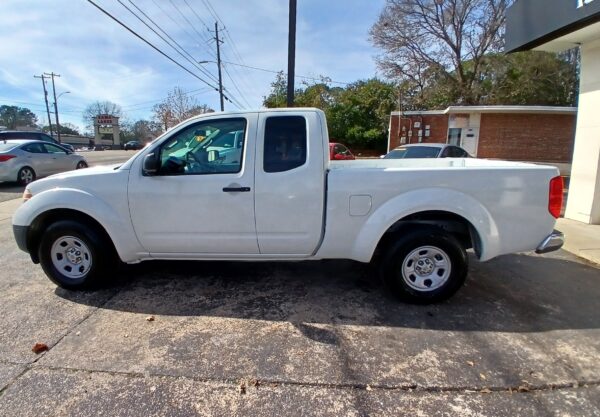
{"points": [[20, 233], [553, 242]]}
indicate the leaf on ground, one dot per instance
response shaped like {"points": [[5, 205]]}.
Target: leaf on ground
{"points": [[482, 376], [523, 388], [242, 388], [39, 348], [368, 388], [150, 318], [470, 363], [486, 391]]}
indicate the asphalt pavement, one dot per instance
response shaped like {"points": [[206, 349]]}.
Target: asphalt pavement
{"points": [[307, 338]]}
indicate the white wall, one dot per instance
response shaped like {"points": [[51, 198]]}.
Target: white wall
{"points": [[584, 192]]}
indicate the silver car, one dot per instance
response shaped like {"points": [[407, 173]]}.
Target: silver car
{"points": [[25, 160]]}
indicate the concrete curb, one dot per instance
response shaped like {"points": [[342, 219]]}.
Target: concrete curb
{"points": [[581, 239]]}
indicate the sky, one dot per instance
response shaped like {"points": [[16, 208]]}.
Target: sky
{"points": [[98, 59]]}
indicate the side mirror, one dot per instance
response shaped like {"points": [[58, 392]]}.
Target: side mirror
{"points": [[151, 164], [338, 156]]}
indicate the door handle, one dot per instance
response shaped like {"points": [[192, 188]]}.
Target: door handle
{"points": [[236, 189]]}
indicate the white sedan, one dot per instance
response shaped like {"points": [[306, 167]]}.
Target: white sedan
{"points": [[25, 160]]}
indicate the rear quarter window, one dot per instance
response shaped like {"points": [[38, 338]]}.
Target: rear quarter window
{"points": [[285, 145]]}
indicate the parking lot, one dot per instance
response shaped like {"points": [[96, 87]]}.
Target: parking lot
{"points": [[310, 338], [9, 190]]}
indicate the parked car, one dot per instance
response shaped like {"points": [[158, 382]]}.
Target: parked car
{"points": [[284, 200], [133, 145], [25, 160], [339, 152], [33, 135], [427, 150]]}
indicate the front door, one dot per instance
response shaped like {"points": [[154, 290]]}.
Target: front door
{"points": [[201, 201]]}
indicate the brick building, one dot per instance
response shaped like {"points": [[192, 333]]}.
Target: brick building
{"points": [[519, 133]]}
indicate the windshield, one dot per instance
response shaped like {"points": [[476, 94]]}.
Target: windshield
{"points": [[414, 152]]}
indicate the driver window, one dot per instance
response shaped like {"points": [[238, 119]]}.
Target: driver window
{"points": [[205, 147]]}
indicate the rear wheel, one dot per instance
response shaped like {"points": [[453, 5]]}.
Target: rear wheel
{"points": [[81, 164], [424, 265], [76, 255], [26, 175]]}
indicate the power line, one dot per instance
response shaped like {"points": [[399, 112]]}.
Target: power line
{"points": [[181, 27], [192, 61], [277, 72], [236, 86], [203, 40], [150, 44]]}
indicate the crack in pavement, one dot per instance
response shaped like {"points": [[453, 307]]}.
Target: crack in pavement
{"points": [[524, 388]]}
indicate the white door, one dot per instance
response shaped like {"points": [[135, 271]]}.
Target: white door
{"points": [[197, 203], [290, 183]]}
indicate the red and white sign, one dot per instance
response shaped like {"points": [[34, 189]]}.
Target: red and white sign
{"points": [[105, 119]]}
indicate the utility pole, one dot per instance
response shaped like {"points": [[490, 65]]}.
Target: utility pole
{"points": [[291, 54], [52, 75], [219, 65], [43, 77]]}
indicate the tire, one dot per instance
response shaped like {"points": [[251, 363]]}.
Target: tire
{"points": [[26, 175], [76, 256], [424, 265], [81, 165]]}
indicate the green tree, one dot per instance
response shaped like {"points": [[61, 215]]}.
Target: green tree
{"points": [[524, 78], [357, 115], [360, 116], [12, 117]]}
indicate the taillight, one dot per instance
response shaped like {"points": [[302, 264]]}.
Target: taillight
{"points": [[555, 200], [4, 158]]}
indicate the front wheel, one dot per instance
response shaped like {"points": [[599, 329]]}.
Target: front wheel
{"points": [[424, 265], [76, 255], [81, 165]]}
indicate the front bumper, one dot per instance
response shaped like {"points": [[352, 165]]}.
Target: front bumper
{"points": [[20, 233], [551, 243]]}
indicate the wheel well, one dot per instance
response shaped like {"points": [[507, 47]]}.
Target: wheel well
{"points": [[41, 223], [452, 223]]}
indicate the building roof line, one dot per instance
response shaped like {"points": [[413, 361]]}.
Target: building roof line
{"points": [[492, 109]]}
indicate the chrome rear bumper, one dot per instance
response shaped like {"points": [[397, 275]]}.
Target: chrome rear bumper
{"points": [[551, 243]]}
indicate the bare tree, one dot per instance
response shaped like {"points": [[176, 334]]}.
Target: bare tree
{"points": [[447, 37], [177, 107], [100, 107]]}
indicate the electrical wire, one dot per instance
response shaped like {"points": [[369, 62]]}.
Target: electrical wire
{"points": [[151, 45], [191, 58]]}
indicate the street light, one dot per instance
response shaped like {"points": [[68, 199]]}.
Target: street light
{"points": [[56, 109], [220, 76]]}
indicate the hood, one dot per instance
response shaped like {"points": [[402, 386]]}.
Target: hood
{"points": [[87, 176]]}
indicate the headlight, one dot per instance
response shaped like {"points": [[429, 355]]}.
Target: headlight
{"points": [[27, 194]]}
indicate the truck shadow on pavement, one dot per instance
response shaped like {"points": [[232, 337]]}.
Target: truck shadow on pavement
{"points": [[515, 293]]}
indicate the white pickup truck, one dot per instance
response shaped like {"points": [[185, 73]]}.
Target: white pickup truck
{"points": [[253, 186]]}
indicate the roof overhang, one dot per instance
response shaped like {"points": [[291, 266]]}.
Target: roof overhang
{"points": [[492, 109], [551, 25]]}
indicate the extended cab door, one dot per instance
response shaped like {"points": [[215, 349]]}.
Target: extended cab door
{"points": [[290, 182], [199, 202]]}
